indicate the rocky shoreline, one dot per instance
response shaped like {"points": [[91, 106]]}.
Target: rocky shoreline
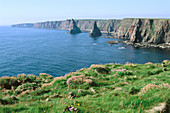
{"points": [[137, 45], [147, 45]]}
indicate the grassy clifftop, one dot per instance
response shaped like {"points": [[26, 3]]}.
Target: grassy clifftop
{"points": [[100, 88]]}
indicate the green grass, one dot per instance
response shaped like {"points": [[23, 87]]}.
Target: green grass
{"points": [[114, 91]]}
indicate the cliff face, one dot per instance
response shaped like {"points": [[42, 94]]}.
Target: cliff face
{"points": [[124, 25], [84, 25], [25, 25], [136, 30], [154, 31], [64, 25]]}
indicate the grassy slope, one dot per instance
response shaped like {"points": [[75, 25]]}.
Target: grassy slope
{"points": [[114, 91]]}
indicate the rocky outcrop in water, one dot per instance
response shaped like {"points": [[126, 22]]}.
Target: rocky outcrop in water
{"points": [[74, 29], [95, 31]]}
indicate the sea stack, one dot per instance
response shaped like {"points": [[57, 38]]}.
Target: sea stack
{"points": [[95, 31], [74, 29]]}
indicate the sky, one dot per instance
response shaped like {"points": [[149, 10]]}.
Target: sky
{"points": [[30, 11]]}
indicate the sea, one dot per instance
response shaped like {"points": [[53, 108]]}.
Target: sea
{"points": [[56, 52]]}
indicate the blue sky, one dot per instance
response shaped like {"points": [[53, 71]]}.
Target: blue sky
{"points": [[21, 11]]}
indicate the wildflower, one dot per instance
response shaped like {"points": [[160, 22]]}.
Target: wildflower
{"points": [[75, 109], [119, 70], [70, 109], [78, 104], [74, 78]]}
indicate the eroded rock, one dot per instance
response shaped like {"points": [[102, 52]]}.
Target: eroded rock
{"points": [[95, 31], [112, 42], [74, 29]]}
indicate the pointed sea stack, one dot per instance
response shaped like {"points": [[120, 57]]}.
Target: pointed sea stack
{"points": [[95, 31], [74, 29]]}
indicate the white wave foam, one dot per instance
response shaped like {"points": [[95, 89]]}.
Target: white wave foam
{"points": [[121, 48], [94, 44]]}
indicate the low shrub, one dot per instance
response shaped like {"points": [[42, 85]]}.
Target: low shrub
{"points": [[8, 82], [4, 102], [133, 90], [102, 70], [40, 92], [119, 73]]}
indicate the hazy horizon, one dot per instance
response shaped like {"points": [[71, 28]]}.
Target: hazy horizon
{"points": [[14, 12]]}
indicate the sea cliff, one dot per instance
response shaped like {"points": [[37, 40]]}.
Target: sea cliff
{"points": [[24, 25], [145, 32], [84, 25], [136, 31]]}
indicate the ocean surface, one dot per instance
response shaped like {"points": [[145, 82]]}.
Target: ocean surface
{"points": [[34, 51]]}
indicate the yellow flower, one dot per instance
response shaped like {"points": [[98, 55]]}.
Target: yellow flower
{"points": [[78, 104]]}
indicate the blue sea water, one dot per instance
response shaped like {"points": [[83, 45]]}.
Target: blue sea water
{"points": [[34, 51]]}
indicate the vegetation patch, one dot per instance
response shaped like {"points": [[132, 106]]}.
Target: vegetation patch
{"points": [[133, 88]]}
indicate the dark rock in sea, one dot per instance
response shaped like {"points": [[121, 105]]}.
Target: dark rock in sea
{"points": [[74, 29], [112, 42], [95, 31], [110, 36], [138, 45]]}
